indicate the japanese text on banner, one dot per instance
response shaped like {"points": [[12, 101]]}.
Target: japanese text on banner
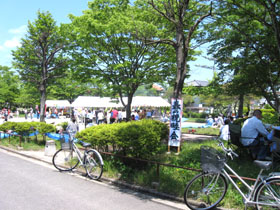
{"points": [[175, 122]]}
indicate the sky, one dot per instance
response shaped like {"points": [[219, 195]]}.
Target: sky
{"points": [[15, 14]]}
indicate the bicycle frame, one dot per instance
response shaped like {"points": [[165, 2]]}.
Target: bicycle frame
{"points": [[79, 154], [248, 200]]}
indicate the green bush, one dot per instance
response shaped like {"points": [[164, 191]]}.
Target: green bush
{"points": [[141, 139], [190, 114], [270, 116], [26, 128], [7, 126]]}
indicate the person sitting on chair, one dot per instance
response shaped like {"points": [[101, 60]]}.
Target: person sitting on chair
{"points": [[253, 134], [224, 130]]}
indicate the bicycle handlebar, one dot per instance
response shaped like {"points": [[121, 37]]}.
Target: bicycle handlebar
{"points": [[229, 151]]}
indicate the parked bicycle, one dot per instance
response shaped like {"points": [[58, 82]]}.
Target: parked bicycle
{"points": [[207, 190], [70, 156]]}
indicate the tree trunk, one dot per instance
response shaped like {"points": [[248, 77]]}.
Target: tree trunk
{"points": [[181, 58], [128, 107], [42, 102], [240, 106]]}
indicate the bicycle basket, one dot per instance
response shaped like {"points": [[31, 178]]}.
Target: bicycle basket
{"points": [[65, 141], [211, 160]]}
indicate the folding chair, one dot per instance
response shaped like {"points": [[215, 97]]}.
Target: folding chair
{"points": [[235, 139]]}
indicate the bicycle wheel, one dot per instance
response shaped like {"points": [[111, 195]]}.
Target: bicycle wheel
{"points": [[65, 160], [93, 164], [269, 194], [205, 191]]}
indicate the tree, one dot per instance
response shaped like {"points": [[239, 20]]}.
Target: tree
{"points": [[69, 88], [175, 23], [9, 87], [247, 47], [41, 58], [106, 49]]}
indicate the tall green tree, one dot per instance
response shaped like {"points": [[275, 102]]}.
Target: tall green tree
{"points": [[177, 24], [106, 48], [41, 58], [247, 47], [9, 87]]}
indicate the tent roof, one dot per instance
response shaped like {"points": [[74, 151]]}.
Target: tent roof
{"points": [[93, 101], [57, 103], [137, 101]]}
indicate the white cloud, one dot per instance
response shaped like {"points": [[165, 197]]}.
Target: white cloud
{"points": [[12, 43]]}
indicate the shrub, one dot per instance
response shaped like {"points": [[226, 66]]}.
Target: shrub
{"points": [[190, 114], [7, 126], [23, 128], [26, 128], [141, 139], [270, 116]]}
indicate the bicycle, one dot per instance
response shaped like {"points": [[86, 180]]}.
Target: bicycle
{"points": [[207, 190], [69, 157]]}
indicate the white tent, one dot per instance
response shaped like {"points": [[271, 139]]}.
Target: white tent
{"points": [[92, 101], [58, 103], [137, 101]]}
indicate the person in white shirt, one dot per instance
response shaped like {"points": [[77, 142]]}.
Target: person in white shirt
{"points": [[253, 134], [224, 131]]}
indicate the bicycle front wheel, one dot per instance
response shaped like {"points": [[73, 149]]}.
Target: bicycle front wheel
{"points": [[205, 191], [268, 195], [65, 160], [93, 164]]}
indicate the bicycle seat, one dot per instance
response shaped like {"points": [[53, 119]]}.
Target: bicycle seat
{"points": [[85, 144], [263, 164]]}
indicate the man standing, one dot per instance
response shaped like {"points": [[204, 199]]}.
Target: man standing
{"points": [[253, 134]]}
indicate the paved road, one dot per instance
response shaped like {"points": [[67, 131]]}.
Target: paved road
{"points": [[26, 185]]}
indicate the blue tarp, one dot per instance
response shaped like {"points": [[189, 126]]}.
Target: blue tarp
{"points": [[57, 136], [4, 135]]}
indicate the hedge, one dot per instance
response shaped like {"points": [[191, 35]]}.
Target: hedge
{"points": [[26, 128], [140, 139]]}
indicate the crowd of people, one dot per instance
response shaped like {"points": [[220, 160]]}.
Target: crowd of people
{"points": [[110, 116]]}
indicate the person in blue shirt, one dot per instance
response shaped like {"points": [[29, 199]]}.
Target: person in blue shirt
{"points": [[254, 134]]}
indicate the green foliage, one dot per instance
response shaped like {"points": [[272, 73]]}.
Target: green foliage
{"points": [[190, 114], [40, 59], [23, 128], [270, 116], [26, 128], [141, 139], [245, 47], [105, 47], [63, 125], [44, 128], [9, 86], [7, 126]]}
